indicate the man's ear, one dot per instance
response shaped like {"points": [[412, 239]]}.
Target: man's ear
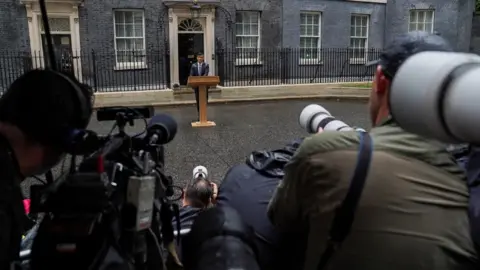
{"points": [[381, 81]]}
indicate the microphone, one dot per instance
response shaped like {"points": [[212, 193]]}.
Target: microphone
{"points": [[161, 129]]}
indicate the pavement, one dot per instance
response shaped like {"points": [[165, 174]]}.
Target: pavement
{"points": [[184, 96], [241, 128]]}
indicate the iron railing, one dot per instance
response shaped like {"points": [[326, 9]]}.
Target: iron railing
{"points": [[107, 71]]}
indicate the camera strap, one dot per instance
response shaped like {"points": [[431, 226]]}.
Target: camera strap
{"points": [[345, 214]]}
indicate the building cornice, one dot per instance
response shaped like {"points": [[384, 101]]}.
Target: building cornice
{"points": [[72, 2], [369, 1]]}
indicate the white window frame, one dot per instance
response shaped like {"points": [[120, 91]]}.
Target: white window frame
{"points": [[364, 59], [250, 61], [415, 13], [129, 65], [318, 60]]}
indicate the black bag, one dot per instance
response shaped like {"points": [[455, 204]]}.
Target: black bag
{"points": [[343, 220]]}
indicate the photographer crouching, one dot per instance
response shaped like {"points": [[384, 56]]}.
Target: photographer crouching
{"points": [[248, 188], [199, 194], [37, 112], [219, 237]]}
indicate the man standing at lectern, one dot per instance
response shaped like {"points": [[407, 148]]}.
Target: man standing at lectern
{"points": [[199, 69]]}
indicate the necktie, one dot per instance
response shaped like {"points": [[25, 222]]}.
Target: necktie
{"points": [[199, 69]]}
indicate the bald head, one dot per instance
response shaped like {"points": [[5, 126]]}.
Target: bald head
{"points": [[198, 193]]}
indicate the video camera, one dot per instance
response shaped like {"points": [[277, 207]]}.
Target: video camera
{"points": [[113, 211]]}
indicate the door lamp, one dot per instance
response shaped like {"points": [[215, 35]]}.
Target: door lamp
{"points": [[195, 9]]}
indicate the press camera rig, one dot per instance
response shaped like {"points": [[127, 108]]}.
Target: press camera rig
{"points": [[113, 209]]}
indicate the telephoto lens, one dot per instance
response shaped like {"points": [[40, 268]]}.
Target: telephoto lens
{"points": [[313, 117], [435, 95]]}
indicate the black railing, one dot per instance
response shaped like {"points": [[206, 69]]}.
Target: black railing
{"points": [[104, 71], [150, 70], [294, 66]]}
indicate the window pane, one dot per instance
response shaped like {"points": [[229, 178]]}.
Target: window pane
{"points": [[412, 27], [358, 31], [121, 45], [119, 30], [254, 29], [130, 44], [429, 17], [119, 17], [364, 21], [239, 42], [303, 41], [138, 17], [138, 28], [239, 29], [239, 17], [129, 30], [253, 18], [421, 16], [364, 31], [412, 17], [303, 19], [246, 29], [139, 45], [128, 17]]}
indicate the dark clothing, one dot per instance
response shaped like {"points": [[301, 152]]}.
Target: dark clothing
{"points": [[187, 216], [203, 70], [248, 189], [472, 165], [11, 206]]}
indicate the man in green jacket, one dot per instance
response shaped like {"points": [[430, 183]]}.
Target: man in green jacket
{"points": [[412, 214]]}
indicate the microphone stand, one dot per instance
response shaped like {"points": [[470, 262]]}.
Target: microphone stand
{"points": [[48, 36]]}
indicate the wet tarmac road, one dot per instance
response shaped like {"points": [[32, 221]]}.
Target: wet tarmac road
{"points": [[241, 129]]}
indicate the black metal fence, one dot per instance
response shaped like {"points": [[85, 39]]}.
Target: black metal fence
{"points": [[294, 66], [136, 71]]}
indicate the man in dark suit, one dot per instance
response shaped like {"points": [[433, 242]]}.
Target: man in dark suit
{"points": [[199, 69]]}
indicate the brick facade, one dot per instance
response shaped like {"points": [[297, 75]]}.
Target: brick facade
{"points": [[279, 29]]}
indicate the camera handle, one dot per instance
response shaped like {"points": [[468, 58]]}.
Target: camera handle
{"points": [[122, 119]]}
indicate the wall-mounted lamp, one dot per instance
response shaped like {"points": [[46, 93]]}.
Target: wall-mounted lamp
{"points": [[195, 9]]}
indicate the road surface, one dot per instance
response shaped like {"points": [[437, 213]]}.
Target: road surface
{"points": [[241, 129]]}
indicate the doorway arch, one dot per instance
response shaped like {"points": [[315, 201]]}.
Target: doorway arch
{"points": [[190, 26]]}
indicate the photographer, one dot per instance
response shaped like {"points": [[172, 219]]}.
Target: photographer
{"points": [[248, 188], [198, 195], [37, 113], [412, 212]]}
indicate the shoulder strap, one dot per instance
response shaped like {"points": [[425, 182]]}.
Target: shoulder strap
{"points": [[343, 220]]}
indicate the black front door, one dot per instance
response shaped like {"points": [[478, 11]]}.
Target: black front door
{"points": [[188, 47], [62, 46]]}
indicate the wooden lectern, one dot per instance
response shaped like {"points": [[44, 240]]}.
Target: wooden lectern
{"points": [[202, 82]]}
